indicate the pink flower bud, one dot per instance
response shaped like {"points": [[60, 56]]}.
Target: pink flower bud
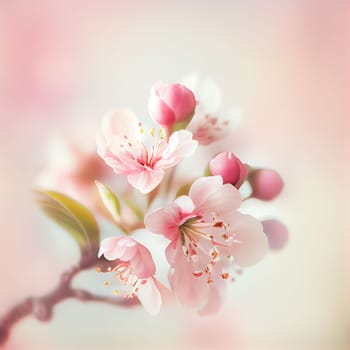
{"points": [[276, 232], [170, 104], [230, 168], [266, 184]]}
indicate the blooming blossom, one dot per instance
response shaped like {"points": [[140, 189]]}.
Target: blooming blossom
{"points": [[209, 237], [133, 269], [210, 123], [208, 129], [125, 146], [72, 166]]}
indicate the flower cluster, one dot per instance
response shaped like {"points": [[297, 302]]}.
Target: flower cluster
{"points": [[208, 239]]}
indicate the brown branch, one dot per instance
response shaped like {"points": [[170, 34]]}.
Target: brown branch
{"points": [[86, 296], [42, 307]]}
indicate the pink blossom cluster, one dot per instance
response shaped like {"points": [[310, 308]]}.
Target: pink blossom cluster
{"points": [[209, 240]]}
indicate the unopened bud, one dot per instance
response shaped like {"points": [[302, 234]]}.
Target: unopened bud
{"points": [[266, 184], [170, 104], [230, 168]]}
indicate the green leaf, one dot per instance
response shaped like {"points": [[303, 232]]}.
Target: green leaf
{"points": [[183, 190], [73, 217], [110, 200]]}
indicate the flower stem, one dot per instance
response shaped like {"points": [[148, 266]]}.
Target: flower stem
{"points": [[42, 307]]}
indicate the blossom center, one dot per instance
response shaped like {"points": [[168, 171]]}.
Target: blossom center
{"points": [[205, 244], [128, 283], [210, 129], [146, 149]]}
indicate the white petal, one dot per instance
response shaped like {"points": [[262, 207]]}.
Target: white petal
{"points": [[181, 145], [209, 195], [185, 203], [202, 187], [163, 221], [147, 180], [120, 123], [252, 242], [215, 301], [150, 297]]}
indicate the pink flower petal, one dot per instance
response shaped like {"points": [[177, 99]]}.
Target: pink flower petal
{"points": [[101, 143], [181, 145], [149, 296], [164, 221], [185, 203], [277, 234], [146, 180], [142, 263], [210, 196], [170, 252], [123, 248], [202, 187], [252, 242], [214, 300], [120, 123], [165, 292], [115, 127], [190, 291]]}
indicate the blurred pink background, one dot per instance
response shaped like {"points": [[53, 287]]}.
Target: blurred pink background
{"points": [[285, 64]]}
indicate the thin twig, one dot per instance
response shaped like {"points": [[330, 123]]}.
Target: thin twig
{"points": [[86, 296], [42, 307]]}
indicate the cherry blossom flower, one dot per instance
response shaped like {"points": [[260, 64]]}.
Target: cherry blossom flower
{"points": [[72, 166], [209, 238], [208, 129], [133, 269], [209, 124], [125, 146]]}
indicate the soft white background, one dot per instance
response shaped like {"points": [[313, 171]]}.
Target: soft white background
{"points": [[285, 64]]}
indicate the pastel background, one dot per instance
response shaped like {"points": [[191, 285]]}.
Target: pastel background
{"points": [[285, 64]]}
